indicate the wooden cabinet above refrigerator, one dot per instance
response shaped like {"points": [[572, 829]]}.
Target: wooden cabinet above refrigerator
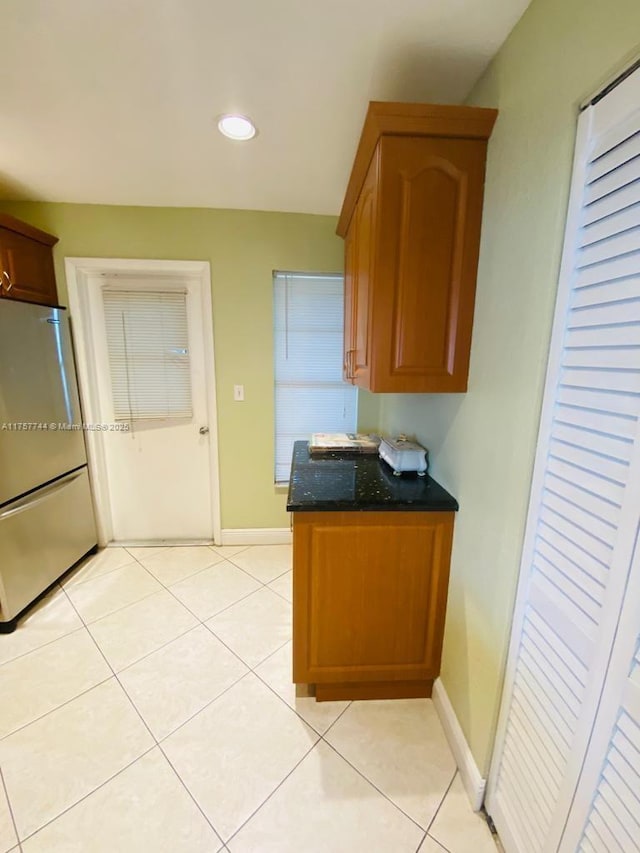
{"points": [[26, 259], [411, 222]]}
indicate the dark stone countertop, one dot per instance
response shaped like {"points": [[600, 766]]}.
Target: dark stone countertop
{"points": [[359, 482]]}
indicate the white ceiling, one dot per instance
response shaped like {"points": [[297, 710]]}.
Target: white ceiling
{"points": [[114, 101]]}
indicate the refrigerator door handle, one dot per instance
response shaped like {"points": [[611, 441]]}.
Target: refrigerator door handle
{"points": [[31, 500]]}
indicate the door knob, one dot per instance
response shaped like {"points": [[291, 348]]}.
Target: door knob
{"points": [[203, 430]]}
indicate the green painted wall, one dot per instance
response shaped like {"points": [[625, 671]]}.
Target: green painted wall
{"points": [[483, 442], [243, 248]]}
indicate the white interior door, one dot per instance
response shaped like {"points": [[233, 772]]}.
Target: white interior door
{"points": [[157, 463], [585, 497]]}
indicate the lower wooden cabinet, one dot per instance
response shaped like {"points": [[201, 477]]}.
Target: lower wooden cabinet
{"points": [[369, 601]]}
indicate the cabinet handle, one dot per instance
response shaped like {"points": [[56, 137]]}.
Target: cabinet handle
{"points": [[352, 359], [8, 279], [348, 363]]}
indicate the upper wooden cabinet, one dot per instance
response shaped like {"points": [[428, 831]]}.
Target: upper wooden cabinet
{"points": [[26, 260], [411, 222]]}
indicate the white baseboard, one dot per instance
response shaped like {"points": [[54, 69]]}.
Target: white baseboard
{"points": [[471, 777], [256, 536]]}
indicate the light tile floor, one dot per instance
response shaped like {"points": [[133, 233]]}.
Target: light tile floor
{"points": [[147, 705]]}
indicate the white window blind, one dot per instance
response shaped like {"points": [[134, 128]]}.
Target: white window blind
{"points": [[310, 395], [148, 347]]}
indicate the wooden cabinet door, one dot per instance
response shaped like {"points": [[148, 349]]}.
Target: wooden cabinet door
{"points": [[370, 592], [27, 269], [349, 304], [362, 275], [431, 205]]}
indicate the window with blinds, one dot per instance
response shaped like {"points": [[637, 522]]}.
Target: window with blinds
{"points": [[148, 348], [310, 395]]}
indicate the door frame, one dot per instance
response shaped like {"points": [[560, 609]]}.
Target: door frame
{"points": [[79, 272]]}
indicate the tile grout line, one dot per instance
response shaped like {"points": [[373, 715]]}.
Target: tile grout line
{"points": [[114, 675], [421, 842], [210, 566], [42, 646], [159, 742], [224, 609], [241, 549], [246, 571], [382, 793], [86, 796], [186, 577], [439, 843], [249, 670], [204, 624], [169, 589], [61, 705], [166, 737], [87, 627], [192, 797], [3, 785], [148, 654], [156, 743], [275, 591], [344, 711], [118, 609], [85, 624], [278, 786], [275, 693], [252, 669], [153, 737], [68, 580], [444, 797]]}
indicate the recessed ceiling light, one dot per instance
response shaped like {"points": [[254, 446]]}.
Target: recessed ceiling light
{"points": [[236, 127]]}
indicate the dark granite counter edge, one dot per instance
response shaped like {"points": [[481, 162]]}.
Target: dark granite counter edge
{"points": [[349, 507]]}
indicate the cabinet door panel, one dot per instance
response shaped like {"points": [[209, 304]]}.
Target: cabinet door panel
{"points": [[431, 199], [349, 304], [363, 273], [431, 206], [373, 596], [29, 265], [370, 595]]}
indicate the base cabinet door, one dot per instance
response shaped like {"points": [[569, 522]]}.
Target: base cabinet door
{"points": [[370, 591]]}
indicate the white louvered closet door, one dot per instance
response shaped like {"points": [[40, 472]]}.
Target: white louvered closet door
{"points": [[585, 497], [605, 815]]}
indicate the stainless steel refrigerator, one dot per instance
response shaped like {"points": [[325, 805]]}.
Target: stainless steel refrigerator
{"points": [[46, 512]]}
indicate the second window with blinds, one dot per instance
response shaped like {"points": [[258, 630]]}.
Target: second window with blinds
{"points": [[310, 394]]}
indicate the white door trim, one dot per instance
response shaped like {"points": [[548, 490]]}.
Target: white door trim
{"points": [[78, 271]]}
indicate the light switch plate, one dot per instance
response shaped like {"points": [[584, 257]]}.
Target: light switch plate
{"points": [[238, 393]]}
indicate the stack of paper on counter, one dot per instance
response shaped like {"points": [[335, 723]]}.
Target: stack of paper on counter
{"points": [[343, 442]]}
